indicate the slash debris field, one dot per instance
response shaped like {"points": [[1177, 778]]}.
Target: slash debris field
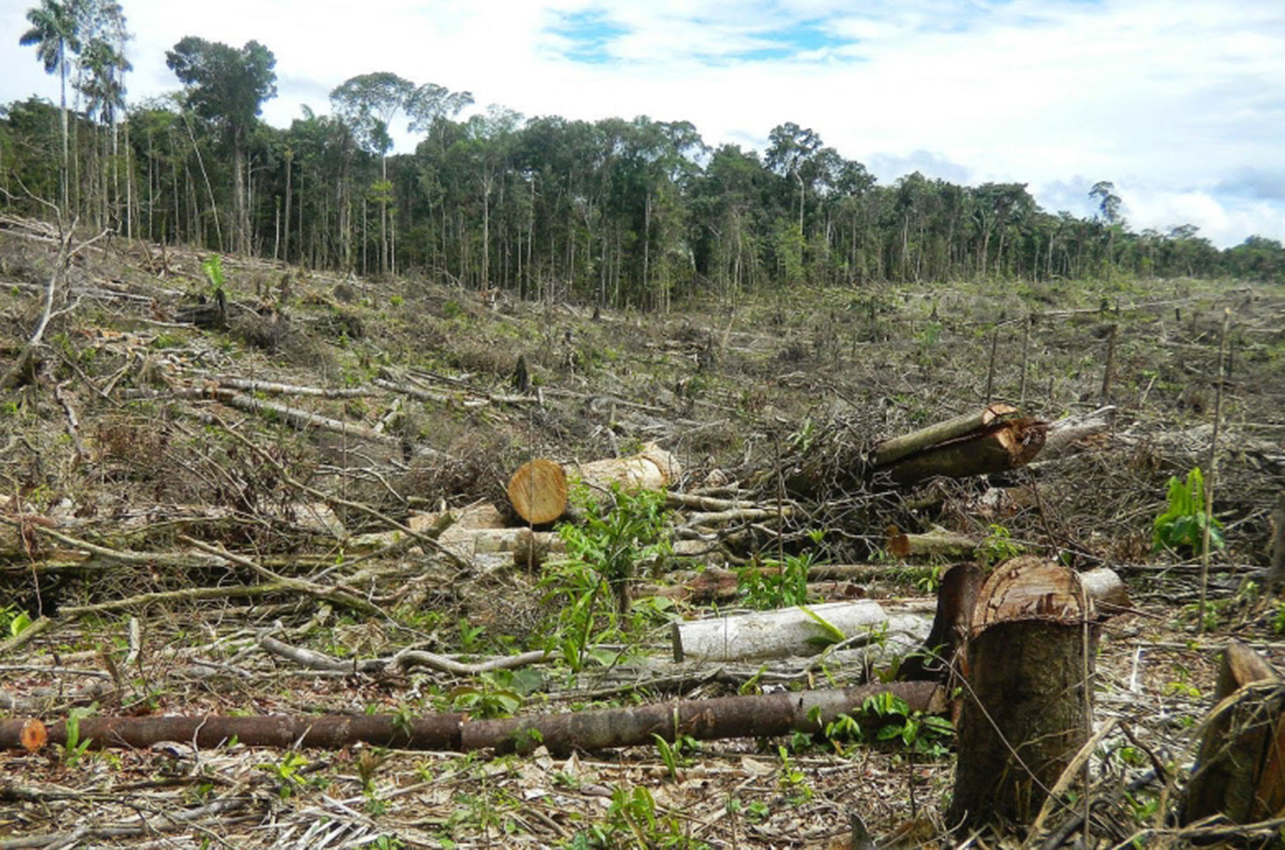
{"points": [[237, 489]]}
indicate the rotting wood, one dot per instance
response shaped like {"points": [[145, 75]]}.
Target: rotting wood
{"points": [[1239, 771], [756, 716]]}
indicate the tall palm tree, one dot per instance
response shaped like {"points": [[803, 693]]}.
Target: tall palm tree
{"points": [[55, 30]]}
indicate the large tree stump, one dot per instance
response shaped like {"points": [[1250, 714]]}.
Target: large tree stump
{"points": [[1239, 771], [1026, 707]]}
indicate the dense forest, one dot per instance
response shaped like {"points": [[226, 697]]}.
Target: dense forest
{"points": [[636, 212]]}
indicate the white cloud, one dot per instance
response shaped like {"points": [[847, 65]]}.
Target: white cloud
{"points": [[1170, 101]]}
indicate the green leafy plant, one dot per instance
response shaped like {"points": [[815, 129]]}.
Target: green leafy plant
{"points": [[921, 733], [1182, 527], [673, 754], [791, 779], [997, 546], [13, 620], [777, 584], [286, 772], [499, 694], [75, 747], [212, 266], [842, 729], [602, 554]]}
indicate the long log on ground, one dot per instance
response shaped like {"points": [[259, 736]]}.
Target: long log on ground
{"points": [[1239, 772], [939, 542], [713, 719], [1026, 711], [897, 448], [1067, 434], [802, 630], [538, 489], [1002, 445]]}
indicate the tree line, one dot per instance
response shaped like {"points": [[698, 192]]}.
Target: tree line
{"points": [[620, 212]]}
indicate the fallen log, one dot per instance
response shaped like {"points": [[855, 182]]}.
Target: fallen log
{"points": [[538, 489], [1067, 435], [995, 440], [897, 448], [716, 585], [801, 630], [758, 716], [1239, 771], [937, 542]]}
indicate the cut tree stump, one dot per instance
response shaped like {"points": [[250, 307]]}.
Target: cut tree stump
{"points": [[1240, 771], [996, 439], [538, 490], [1026, 708]]}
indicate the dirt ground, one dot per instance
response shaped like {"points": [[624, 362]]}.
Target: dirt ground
{"points": [[169, 506]]}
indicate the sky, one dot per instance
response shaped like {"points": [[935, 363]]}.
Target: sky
{"points": [[1179, 103]]}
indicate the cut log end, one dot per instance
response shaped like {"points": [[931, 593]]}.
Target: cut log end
{"points": [[538, 491]]}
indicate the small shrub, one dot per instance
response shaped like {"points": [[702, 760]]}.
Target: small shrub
{"points": [[1181, 528]]}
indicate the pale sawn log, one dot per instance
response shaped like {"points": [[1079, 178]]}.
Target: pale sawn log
{"points": [[538, 491], [774, 634], [756, 716], [539, 495]]}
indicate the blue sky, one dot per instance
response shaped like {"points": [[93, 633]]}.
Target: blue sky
{"points": [[1180, 104]]}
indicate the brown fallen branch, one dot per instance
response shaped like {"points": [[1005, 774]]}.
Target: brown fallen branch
{"points": [[475, 397], [301, 420], [308, 588], [758, 716], [995, 440], [538, 489], [427, 538], [714, 584]]}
